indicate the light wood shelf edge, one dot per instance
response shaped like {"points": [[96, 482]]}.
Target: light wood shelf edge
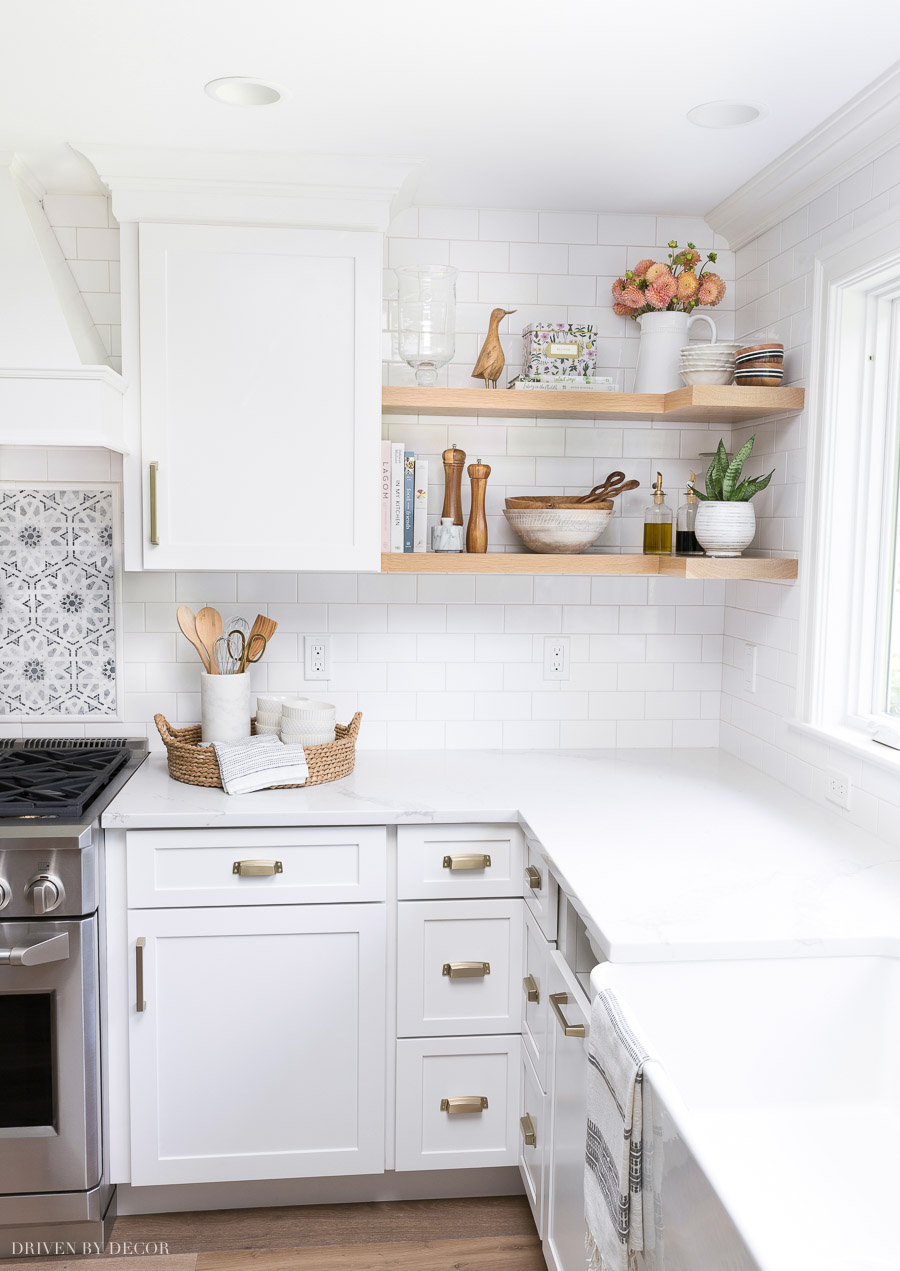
{"points": [[754, 567], [697, 403]]}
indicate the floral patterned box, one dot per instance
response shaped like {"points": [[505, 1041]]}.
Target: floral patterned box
{"points": [[57, 612], [558, 348]]}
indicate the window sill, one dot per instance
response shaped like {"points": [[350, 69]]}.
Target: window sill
{"points": [[852, 743]]}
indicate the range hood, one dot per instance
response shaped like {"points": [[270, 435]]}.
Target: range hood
{"points": [[56, 387]]}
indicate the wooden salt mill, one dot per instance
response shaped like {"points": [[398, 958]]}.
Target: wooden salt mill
{"points": [[453, 466], [476, 532]]}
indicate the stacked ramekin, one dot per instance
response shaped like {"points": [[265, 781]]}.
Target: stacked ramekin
{"points": [[307, 723]]}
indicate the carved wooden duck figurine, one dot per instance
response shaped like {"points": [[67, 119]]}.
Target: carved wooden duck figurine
{"points": [[491, 361]]}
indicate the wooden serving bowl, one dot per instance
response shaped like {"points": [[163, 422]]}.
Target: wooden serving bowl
{"points": [[534, 502]]}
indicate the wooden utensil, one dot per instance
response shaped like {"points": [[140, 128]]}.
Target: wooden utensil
{"points": [[261, 626], [209, 628], [188, 626], [606, 490]]}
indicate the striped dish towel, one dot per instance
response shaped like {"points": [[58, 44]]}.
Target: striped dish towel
{"points": [[260, 762], [614, 1165]]}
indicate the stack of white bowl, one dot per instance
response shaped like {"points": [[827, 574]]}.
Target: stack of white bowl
{"points": [[708, 363], [307, 723], [268, 711]]}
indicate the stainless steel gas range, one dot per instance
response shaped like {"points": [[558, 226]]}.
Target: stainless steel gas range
{"points": [[53, 1186]]}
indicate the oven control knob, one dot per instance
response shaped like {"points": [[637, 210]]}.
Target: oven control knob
{"points": [[5, 893], [46, 893]]}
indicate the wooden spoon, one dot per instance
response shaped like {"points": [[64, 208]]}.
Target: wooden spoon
{"points": [[209, 628], [188, 625], [261, 626]]}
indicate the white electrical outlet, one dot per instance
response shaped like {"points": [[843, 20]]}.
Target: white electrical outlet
{"points": [[317, 657], [837, 788], [750, 668], [557, 653]]}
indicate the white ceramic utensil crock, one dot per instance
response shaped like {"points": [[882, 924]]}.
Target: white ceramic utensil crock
{"points": [[225, 707], [725, 529], [663, 335]]}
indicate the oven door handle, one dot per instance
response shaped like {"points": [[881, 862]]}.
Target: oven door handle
{"points": [[36, 950]]}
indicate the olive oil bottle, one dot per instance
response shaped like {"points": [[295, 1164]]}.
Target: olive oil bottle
{"points": [[658, 523]]}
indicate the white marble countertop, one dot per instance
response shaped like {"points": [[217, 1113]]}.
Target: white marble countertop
{"points": [[669, 854]]}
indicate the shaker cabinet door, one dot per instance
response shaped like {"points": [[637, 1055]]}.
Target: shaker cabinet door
{"points": [[260, 1049], [260, 382]]}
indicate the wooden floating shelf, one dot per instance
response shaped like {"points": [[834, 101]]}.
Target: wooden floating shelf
{"points": [[701, 403], [754, 567]]}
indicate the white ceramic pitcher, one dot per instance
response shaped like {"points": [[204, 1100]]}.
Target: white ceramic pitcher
{"points": [[663, 336]]}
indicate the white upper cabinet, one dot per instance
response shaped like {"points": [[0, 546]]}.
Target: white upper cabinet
{"points": [[251, 344], [260, 382]]}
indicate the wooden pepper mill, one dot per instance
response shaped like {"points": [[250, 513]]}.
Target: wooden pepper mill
{"points": [[476, 532], [453, 466]]}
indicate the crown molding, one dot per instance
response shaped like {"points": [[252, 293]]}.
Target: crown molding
{"points": [[866, 127], [243, 187]]}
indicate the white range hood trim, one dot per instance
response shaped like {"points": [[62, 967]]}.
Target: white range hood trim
{"points": [[75, 406], [219, 187]]}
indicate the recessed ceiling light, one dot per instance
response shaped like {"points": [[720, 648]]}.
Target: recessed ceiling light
{"points": [[239, 90], [723, 114]]}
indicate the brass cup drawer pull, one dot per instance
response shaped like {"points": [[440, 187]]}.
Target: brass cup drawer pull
{"points": [[466, 970], [478, 860], [533, 878], [530, 985], [557, 1001], [257, 869], [464, 1104], [528, 1131], [140, 1005]]}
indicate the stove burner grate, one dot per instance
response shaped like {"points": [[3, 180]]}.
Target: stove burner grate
{"points": [[49, 780]]}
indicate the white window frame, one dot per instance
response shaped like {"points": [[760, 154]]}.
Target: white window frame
{"points": [[850, 523]]}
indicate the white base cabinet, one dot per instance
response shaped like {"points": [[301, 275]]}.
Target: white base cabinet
{"points": [[257, 1043]]}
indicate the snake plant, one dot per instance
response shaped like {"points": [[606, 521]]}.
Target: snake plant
{"points": [[723, 483]]}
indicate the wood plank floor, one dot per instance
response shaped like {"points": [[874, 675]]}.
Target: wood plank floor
{"points": [[489, 1234]]}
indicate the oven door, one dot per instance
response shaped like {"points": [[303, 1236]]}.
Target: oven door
{"points": [[49, 1057]]}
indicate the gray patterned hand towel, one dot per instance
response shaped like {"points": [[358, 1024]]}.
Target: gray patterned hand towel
{"points": [[613, 1175], [260, 762]]}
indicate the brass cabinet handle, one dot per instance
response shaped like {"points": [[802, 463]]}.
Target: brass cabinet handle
{"points": [[528, 1131], [154, 522], [533, 878], [478, 860], [466, 970], [257, 869], [530, 985], [464, 1104], [140, 1004], [558, 1000]]}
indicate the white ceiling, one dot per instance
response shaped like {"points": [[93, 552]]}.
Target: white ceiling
{"points": [[577, 104]]}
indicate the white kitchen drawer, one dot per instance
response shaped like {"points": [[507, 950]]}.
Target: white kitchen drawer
{"points": [[201, 867], [536, 1014], [540, 891], [430, 1070], [438, 942], [465, 861], [532, 1140]]}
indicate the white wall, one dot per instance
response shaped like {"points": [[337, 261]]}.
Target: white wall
{"points": [[774, 296], [442, 661]]}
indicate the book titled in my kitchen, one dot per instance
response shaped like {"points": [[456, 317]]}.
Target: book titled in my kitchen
{"points": [[409, 498], [396, 496]]}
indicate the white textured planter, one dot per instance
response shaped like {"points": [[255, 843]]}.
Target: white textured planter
{"points": [[663, 336], [224, 707], [725, 529]]}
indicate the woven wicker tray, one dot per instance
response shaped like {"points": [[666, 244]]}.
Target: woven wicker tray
{"points": [[197, 765]]}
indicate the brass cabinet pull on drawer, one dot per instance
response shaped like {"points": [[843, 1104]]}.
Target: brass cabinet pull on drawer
{"points": [[530, 985], [533, 878], [528, 1132], [466, 970], [257, 869], [558, 1000], [479, 860], [464, 1104], [140, 1004]]}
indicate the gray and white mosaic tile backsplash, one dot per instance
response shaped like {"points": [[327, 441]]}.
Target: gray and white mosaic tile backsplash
{"points": [[57, 635]]}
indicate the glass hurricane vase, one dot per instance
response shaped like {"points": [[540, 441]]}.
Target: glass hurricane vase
{"points": [[426, 318]]}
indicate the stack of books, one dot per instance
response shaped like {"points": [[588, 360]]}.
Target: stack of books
{"points": [[404, 499]]}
